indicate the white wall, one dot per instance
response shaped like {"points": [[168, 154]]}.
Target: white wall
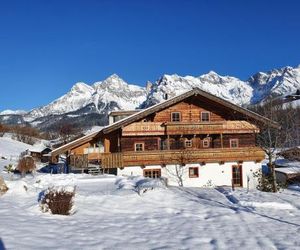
{"points": [[211, 174]]}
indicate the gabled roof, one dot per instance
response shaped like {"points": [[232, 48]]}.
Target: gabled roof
{"points": [[196, 91], [158, 107]]}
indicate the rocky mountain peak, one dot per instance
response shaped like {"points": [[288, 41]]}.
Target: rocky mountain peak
{"points": [[114, 93], [111, 83], [81, 87]]}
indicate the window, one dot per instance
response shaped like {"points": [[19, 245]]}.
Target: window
{"points": [[206, 142], [175, 116], [234, 143], [188, 143], [152, 173], [163, 144], [177, 144], [205, 116], [139, 146], [193, 172]]}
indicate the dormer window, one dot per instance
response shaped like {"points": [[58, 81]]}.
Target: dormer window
{"points": [[205, 116], [175, 117]]}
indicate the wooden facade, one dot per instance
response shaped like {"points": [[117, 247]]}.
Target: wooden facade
{"points": [[159, 157], [196, 124]]}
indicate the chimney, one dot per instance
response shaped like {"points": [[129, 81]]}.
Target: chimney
{"points": [[166, 96]]}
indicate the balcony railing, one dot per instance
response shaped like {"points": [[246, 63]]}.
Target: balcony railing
{"points": [[112, 160], [144, 128], [175, 128]]}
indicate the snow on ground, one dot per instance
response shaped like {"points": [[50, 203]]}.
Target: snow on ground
{"points": [[111, 214], [11, 149], [136, 213], [93, 129]]}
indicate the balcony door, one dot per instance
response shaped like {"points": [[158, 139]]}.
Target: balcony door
{"points": [[237, 175]]}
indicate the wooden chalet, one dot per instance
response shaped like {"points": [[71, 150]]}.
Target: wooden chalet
{"points": [[195, 129], [40, 154]]}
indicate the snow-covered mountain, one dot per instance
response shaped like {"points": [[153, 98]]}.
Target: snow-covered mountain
{"points": [[13, 112], [230, 88], [113, 91], [274, 83], [90, 104]]}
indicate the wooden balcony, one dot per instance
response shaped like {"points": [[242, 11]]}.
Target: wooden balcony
{"points": [[112, 160], [144, 128], [225, 127], [179, 128]]}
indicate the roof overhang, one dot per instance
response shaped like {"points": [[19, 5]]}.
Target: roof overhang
{"points": [[194, 92]]}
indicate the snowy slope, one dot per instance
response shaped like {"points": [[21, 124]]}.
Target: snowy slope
{"points": [[11, 149], [78, 97], [110, 217]]}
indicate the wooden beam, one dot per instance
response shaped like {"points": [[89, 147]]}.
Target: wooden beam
{"points": [[106, 145], [221, 140]]}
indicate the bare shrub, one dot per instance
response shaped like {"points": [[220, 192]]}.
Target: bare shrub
{"points": [[57, 201], [26, 164]]}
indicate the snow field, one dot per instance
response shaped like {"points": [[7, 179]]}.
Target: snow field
{"points": [[110, 214]]}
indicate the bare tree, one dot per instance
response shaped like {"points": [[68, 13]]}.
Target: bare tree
{"points": [[180, 170], [272, 138], [67, 132]]}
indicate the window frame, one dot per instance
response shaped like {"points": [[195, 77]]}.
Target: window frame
{"points": [[189, 141], [201, 117], [141, 143], [152, 171], [234, 140], [194, 175], [179, 116], [162, 144], [206, 140]]}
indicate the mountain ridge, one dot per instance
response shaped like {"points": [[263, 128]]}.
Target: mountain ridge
{"points": [[113, 93]]}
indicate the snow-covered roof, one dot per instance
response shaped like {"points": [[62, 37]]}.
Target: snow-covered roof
{"points": [[38, 149], [287, 167], [288, 170], [287, 163]]}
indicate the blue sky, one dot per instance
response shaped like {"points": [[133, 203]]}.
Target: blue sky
{"points": [[47, 46]]}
